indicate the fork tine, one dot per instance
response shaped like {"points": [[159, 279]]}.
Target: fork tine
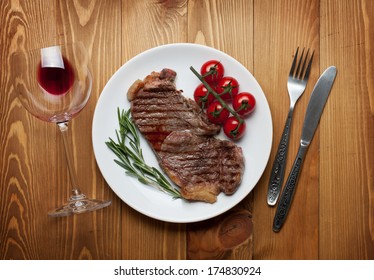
{"points": [[306, 77], [294, 62], [301, 74], [297, 73]]}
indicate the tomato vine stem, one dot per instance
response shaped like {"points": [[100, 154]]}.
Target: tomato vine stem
{"points": [[220, 100]]}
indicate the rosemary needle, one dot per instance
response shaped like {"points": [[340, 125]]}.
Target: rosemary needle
{"points": [[130, 156]]}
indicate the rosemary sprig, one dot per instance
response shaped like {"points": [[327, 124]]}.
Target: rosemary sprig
{"points": [[130, 156]]}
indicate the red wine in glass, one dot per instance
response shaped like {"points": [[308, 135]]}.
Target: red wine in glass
{"points": [[56, 80]]}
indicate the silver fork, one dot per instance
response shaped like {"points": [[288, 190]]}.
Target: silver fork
{"points": [[297, 80]]}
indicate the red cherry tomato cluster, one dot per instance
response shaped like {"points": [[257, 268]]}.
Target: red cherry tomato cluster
{"points": [[231, 105]]}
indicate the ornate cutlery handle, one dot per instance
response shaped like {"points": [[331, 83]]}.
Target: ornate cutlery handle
{"points": [[289, 190], [279, 164]]}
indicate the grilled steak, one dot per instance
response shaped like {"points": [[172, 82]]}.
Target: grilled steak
{"points": [[202, 165], [158, 109], [183, 139]]}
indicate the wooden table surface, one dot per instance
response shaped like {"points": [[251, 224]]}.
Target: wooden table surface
{"points": [[332, 215]]}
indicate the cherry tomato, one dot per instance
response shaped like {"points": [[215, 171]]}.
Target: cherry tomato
{"points": [[212, 71], [244, 103], [233, 128], [227, 88], [201, 98], [217, 113]]}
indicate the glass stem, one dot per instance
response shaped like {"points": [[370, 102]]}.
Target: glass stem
{"points": [[76, 193]]}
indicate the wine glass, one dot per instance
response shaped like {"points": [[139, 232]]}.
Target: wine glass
{"points": [[54, 85]]}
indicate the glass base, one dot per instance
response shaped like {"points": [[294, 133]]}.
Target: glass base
{"points": [[77, 205]]}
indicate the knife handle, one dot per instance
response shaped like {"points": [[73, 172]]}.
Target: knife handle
{"points": [[289, 190], [279, 164]]}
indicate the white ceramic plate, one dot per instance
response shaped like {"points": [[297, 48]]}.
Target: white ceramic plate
{"points": [[256, 143]]}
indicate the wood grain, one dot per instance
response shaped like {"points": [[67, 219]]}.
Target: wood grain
{"points": [[273, 55], [347, 133], [41, 162], [89, 21], [23, 195], [228, 236], [332, 216]]}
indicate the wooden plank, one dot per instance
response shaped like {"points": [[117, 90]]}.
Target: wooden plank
{"points": [[94, 235], [33, 161], [224, 25], [146, 24], [227, 26], [23, 195], [280, 27], [347, 132]]}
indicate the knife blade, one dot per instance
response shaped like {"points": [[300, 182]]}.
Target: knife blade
{"points": [[313, 114]]}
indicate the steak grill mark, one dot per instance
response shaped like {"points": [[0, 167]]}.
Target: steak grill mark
{"points": [[183, 139]]}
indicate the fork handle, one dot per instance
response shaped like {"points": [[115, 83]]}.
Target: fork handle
{"points": [[279, 164], [289, 190]]}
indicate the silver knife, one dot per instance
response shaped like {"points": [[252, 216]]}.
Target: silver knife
{"points": [[313, 114]]}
